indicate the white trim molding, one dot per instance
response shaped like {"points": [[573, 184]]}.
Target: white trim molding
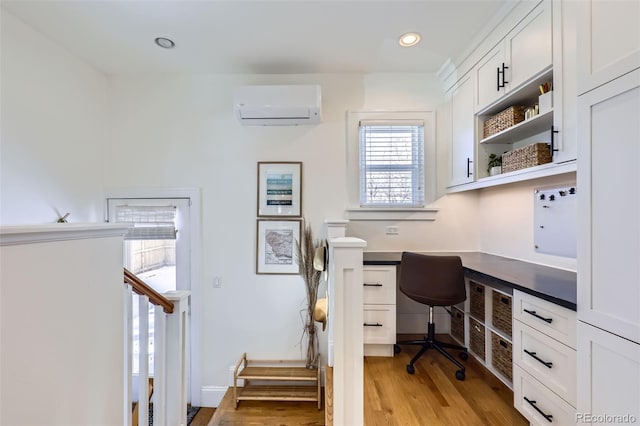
{"points": [[394, 214], [30, 234]]}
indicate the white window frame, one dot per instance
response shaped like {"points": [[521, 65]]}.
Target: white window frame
{"points": [[357, 212]]}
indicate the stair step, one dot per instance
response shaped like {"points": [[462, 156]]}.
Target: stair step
{"points": [[278, 393], [278, 373]]}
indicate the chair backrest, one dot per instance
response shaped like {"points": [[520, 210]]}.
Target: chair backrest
{"points": [[431, 279]]}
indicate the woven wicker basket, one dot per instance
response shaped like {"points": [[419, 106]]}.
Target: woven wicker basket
{"points": [[476, 338], [501, 356], [476, 300], [457, 324], [527, 156], [501, 312], [503, 120]]}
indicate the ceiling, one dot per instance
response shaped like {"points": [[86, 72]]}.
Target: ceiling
{"points": [[263, 37]]}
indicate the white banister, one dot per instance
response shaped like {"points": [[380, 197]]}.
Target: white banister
{"points": [[345, 318], [177, 359], [170, 359], [143, 360]]}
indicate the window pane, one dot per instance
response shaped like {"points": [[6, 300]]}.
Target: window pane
{"points": [[391, 165]]}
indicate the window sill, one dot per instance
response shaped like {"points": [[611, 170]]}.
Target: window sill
{"points": [[394, 214]]}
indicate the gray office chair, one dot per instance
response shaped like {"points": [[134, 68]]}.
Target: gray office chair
{"points": [[433, 281]]}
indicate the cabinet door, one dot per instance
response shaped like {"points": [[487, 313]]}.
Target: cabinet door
{"points": [[462, 132], [608, 377], [565, 95], [488, 78], [608, 42], [609, 206], [528, 46]]}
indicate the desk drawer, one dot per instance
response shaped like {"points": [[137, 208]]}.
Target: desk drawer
{"points": [[535, 401], [546, 317], [551, 362], [379, 324], [379, 285]]}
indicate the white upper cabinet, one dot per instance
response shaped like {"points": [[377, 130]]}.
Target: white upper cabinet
{"points": [[528, 46], [525, 52], [608, 42], [490, 77], [462, 132], [609, 205]]}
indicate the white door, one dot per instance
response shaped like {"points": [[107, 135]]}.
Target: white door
{"points": [[462, 132], [156, 249], [609, 206]]}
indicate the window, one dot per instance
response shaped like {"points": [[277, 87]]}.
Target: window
{"points": [[391, 163]]}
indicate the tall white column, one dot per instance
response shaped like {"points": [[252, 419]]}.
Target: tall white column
{"points": [[346, 345]]}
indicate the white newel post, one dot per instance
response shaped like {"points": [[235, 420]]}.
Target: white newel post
{"points": [[345, 338], [176, 358]]}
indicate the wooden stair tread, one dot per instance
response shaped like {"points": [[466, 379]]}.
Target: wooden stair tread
{"points": [[278, 373], [278, 393]]}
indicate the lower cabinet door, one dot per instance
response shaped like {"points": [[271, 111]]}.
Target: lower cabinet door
{"points": [[379, 324], [551, 362], [608, 377], [539, 404]]}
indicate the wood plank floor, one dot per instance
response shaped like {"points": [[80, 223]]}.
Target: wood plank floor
{"points": [[432, 396]]}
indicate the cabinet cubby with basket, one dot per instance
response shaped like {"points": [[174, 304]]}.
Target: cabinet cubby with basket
{"points": [[511, 128], [483, 323]]}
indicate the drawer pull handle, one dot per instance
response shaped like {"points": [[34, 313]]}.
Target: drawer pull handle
{"points": [[538, 316], [549, 417], [372, 285], [366, 324], [533, 355]]}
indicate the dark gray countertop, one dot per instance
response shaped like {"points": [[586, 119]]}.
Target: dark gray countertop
{"points": [[552, 284]]}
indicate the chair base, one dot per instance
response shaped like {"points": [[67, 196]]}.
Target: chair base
{"points": [[430, 342]]}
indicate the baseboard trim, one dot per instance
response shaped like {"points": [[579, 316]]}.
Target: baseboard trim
{"points": [[211, 396]]}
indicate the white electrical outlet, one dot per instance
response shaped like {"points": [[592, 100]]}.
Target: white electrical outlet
{"points": [[217, 282], [393, 230]]}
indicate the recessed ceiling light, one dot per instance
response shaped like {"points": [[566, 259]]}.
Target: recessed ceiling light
{"points": [[165, 42], [409, 39]]}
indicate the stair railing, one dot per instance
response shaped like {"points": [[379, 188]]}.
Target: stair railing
{"points": [[170, 353]]}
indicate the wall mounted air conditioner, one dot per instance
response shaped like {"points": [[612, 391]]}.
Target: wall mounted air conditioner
{"points": [[282, 105]]}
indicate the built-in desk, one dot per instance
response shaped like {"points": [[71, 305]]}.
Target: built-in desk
{"points": [[554, 285], [522, 328]]}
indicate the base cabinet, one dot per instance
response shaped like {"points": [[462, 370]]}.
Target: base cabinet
{"points": [[544, 360], [609, 380], [379, 309]]}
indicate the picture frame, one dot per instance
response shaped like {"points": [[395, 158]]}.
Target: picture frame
{"points": [[280, 189], [276, 246]]}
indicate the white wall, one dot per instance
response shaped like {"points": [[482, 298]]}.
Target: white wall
{"points": [[53, 130], [179, 130], [506, 221], [62, 319]]}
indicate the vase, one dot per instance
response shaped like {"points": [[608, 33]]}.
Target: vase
{"points": [[311, 360], [495, 170]]}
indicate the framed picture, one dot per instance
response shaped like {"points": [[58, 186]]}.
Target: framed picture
{"points": [[279, 189], [276, 251]]}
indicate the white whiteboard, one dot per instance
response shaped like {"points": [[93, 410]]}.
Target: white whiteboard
{"points": [[555, 220]]}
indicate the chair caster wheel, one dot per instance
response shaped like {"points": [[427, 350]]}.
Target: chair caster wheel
{"points": [[464, 356], [397, 349], [460, 375], [411, 369]]}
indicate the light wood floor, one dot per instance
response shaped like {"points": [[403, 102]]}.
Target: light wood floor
{"points": [[432, 396]]}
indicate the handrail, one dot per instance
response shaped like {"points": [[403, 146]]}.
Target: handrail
{"points": [[143, 289]]}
